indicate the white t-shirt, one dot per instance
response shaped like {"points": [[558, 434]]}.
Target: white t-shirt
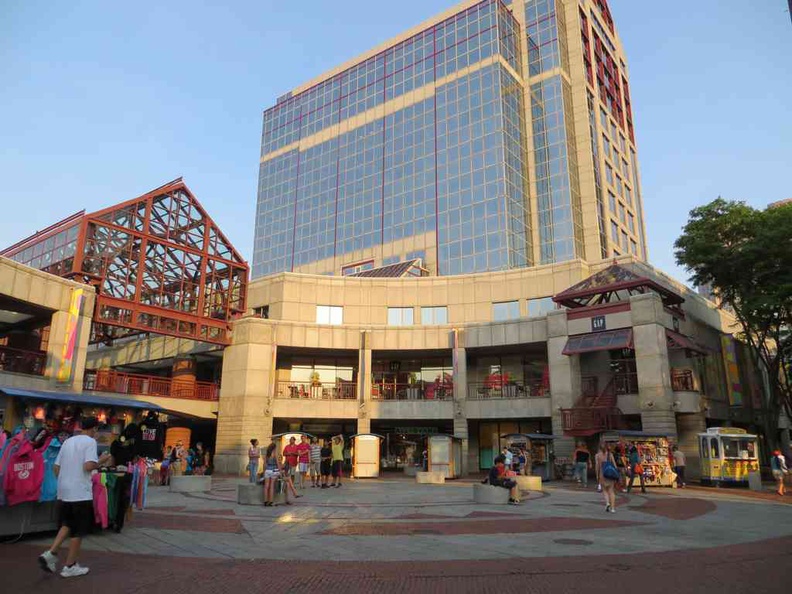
{"points": [[679, 458], [74, 483]]}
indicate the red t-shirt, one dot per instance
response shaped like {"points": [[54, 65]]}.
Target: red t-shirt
{"points": [[290, 453], [304, 451]]}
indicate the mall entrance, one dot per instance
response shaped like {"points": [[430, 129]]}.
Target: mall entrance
{"points": [[405, 441]]}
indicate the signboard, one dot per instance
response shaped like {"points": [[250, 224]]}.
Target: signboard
{"points": [[597, 323], [72, 325], [732, 370], [415, 430]]}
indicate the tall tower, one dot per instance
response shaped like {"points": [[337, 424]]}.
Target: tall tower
{"points": [[496, 135]]}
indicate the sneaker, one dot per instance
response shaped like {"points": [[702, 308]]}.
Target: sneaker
{"points": [[75, 570], [612, 510], [48, 561], [599, 488], [513, 502], [607, 508]]}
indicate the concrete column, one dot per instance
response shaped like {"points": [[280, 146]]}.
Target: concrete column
{"points": [[655, 395], [688, 428], [57, 341], [564, 379], [245, 409], [460, 397], [364, 383]]}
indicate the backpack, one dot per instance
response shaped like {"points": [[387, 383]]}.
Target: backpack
{"points": [[609, 471]]}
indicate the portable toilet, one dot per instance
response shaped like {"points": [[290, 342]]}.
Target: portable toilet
{"points": [[445, 455], [366, 455]]}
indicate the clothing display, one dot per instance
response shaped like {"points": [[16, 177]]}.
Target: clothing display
{"points": [[151, 437], [24, 474], [139, 484], [49, 486], [99, 488]]}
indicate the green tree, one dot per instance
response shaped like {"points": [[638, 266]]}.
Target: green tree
{"points": [[745, 255]]}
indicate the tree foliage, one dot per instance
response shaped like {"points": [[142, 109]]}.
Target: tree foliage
{"points": [[745, 255]]}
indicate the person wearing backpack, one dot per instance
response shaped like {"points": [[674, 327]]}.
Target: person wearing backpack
{"points": [[608, 475], [779, 468]]}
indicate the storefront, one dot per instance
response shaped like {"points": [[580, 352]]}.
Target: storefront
{"points": [[405, 442]]}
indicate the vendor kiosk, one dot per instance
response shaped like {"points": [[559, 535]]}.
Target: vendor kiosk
{"points": [[366, 455], [445, 455], [728, 455], [539, 448], [655, 453]]}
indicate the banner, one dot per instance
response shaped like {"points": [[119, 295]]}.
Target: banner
{"points": [[69, 346], [732, 369]]}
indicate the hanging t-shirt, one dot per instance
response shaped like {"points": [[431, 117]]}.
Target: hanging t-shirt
{"points": [[74, 483], [151, 439], [123, 452]]}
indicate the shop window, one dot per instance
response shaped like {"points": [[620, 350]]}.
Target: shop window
{"points": [[506, 310], [434, 316], [262, 312], [400, 316], [539, 307], [329, 314]]}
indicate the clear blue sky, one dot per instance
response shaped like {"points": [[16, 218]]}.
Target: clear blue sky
{"points": [[103, 101]]}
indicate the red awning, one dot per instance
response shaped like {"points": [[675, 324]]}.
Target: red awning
{"points": [[599, 341], [676, 340]]}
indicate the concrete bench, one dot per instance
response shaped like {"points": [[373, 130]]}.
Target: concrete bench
{"points": [[529, 483], [190, 484], [488, 494], [410, 470], [248, 494], [430, 478]]}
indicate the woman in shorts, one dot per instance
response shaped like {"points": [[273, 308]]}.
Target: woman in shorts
{"points": [[272, 470]]}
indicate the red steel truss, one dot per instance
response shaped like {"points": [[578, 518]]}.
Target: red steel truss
{"points": [[158, 262]]}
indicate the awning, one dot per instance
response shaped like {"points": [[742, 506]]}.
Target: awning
{"points": [[80, 398], [536, 436], [599, 341], [676, 340]]}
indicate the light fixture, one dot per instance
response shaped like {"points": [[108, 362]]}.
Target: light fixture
{"points": [[39, 413]]}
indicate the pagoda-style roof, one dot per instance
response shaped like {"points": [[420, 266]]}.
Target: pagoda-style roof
{"points": [[614, 283], [159, 264]]}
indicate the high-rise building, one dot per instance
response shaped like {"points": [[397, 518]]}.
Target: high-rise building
{"points": [[496, 135]]}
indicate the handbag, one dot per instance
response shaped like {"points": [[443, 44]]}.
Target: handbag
{"points": [[609, 471], [639, 469]]}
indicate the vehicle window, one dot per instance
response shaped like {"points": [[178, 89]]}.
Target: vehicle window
{"points": [[731, 448], [715, 450], [704, 448]]}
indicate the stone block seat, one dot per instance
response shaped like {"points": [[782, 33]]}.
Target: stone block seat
{"points": [[250, 494], [430, 478], [190, 484], [529, 483], [487, 494]]}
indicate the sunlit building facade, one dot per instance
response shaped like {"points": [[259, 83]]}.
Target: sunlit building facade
{"points": [[497, 135]]}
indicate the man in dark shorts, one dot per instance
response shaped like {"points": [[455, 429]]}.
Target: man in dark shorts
{"points": [[73, 467], [327, 464]]}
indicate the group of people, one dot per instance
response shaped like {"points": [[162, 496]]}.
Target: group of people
{"points": [[320, 462], [179, 461], [519, 462]]}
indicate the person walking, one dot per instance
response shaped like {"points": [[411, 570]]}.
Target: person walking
{"points": [[326, 464], [679, 466], [272, 470], [608, 475], [77, 459], [582, 464], [303, 460], [779, 469], [315, 462], [338, 459], [254, 456], [634, 460]]}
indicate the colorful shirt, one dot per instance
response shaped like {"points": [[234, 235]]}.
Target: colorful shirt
{"points": [[291, 454], [304, 452]]}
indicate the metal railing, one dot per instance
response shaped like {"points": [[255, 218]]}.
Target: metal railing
{"points": [[419, 391], [323, 391], [20, 361], [589, 420], [105, 380], [488, 390], [682, 380]]}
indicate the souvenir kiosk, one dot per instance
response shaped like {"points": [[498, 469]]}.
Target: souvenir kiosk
{"points": [[728, 455], [540, 449], [445, 455], [655, 452], [366, 455]]}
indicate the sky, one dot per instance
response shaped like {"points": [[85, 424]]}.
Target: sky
{"points": [[102, 101]]}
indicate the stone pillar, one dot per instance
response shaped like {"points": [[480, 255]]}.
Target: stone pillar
{"points": [[564, 379], [688, 428], [655, 396], [364, 383], [459, 357], [183, 377], [245, 410]]}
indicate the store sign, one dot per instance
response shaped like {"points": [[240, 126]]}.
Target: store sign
{"points": [[415, 430], [597, 323]]}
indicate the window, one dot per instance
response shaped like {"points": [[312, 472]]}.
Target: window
{"points": [[604, 119], [329, 314], [614, 232], [506, 310], [715, 450], [628, 195], [622, 213], [704, 448], [400, 316], [606, 146], [631, 223], [433, 316], [611, 201], [625, 242], [609, 173], [355, 268], [262, 312], [417, 254], [622, 145], [539, 307], [625, 169], [390, 260], [633, 247]]}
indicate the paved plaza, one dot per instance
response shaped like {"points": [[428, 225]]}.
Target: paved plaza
{"points": [[392, 535]]}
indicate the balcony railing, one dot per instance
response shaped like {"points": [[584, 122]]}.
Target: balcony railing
{"points": [[487, 391], [682, 380], [338, 391], [585, 421], [149, 385], [392, 391], [19, 361]]}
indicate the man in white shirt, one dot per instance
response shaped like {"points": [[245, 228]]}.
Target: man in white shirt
{"points": [[679, 466], [73, 467]]}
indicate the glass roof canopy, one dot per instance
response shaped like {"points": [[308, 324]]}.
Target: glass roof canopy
{"points": [[158, 262]]}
